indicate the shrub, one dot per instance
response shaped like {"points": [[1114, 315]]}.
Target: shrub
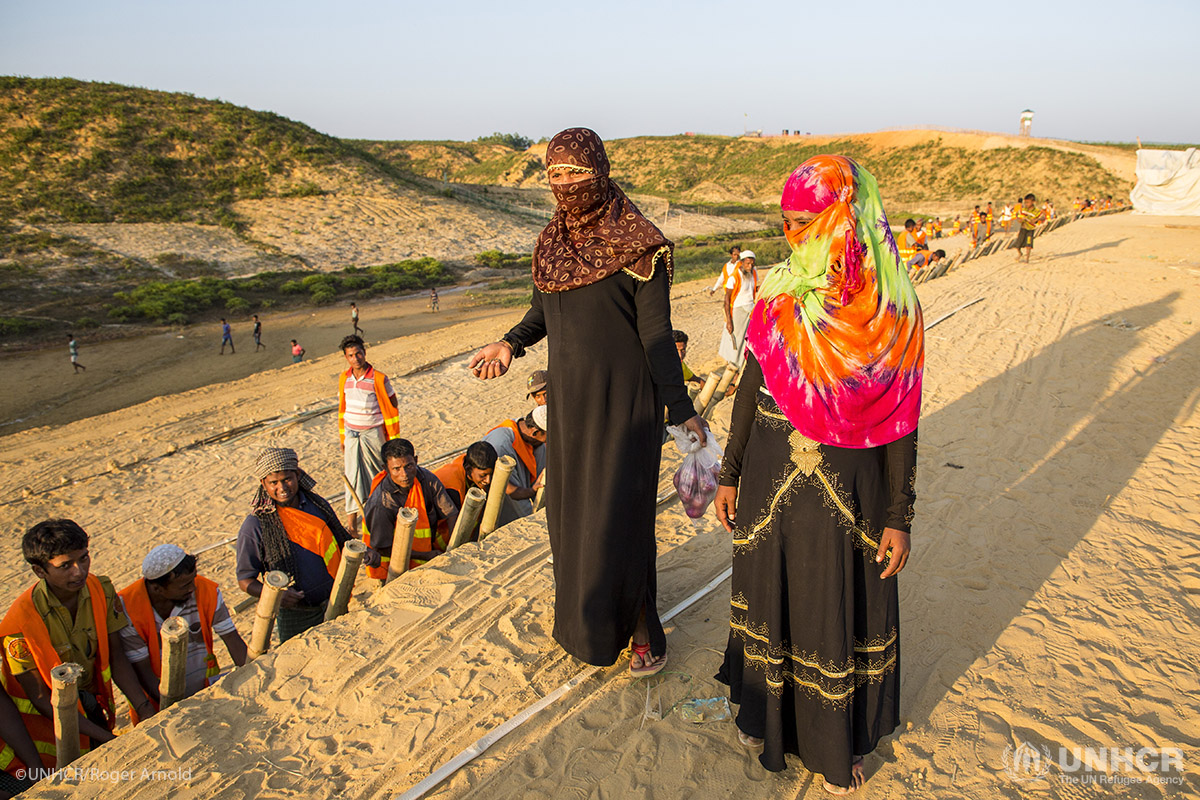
{"points": [[236, 305], [514, 140], [322, 296], [177, 319], [292, 287]]}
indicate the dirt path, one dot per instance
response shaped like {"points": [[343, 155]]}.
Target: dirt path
{"points": [[125, 372]]}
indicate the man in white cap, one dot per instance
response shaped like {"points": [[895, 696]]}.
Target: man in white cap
{"points": [[740, 290], [523, 441], [294, 530], [169, 587]]}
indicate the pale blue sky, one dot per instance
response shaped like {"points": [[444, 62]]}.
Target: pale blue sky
{"points": [[1101, 70]]}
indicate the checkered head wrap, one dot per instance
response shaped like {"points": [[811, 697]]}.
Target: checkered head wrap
{"points": [[277, 550]]}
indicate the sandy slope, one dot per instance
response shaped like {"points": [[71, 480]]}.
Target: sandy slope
{"points": [[1051, 597]]}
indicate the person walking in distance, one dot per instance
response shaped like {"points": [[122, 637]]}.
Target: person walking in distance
{"points": [[226, 337], [354, 318], [258, 334], [74, 348]]}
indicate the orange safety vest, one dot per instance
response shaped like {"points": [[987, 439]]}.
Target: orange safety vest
{"points": [[453, 475], [906, 252], [311, 533], [524, 451], [737, 288], [391, 414], [141, 614], [24, 618], [957, 227], [920, 236], [422, 541]]}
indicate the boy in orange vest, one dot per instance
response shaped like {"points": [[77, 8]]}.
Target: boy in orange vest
{"points": [[68, 615], [473, 468], [169, 587], [405, 484], [294, 530], [367, 417]]}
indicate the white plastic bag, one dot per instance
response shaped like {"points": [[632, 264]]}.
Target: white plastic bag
{"points": [[696, 478]]}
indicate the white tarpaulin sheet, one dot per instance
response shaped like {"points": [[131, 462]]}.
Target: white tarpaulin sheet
{"points": [[1168, 182]]}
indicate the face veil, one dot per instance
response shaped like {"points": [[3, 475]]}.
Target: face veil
{"points": [[837, 328], [596, 229]]}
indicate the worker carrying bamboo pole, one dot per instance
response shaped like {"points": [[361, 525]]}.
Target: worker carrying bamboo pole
{"points": [[403, 483], [472, 469], [294, 530], [171, 587], [524, 440]]}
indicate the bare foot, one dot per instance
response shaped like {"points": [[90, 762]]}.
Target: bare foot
{"points": [[857, 778]]}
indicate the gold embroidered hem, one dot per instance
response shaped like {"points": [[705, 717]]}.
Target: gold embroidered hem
{"points": [[833, 682]]}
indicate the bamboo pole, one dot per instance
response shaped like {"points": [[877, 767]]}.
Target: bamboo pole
{"points": [[64, 696], [722, 386], [468, 515], [172, 684], [540, 497], [362, 512], [402, 536], [274, 582], [496, 494], [343, 585], [710, 386]]}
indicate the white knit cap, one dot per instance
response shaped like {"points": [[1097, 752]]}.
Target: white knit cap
{"points": [[541, 416], [746, 254], [161, 560]]}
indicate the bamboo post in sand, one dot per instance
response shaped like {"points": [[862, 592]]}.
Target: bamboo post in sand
{"points": [[540, 497], [722, 386], [274, 582], [496, 494], [343, 585], [362, 512], [693, 390], [64, 696], [172, 684], [402, 536], [468, 515], [710, 386]]}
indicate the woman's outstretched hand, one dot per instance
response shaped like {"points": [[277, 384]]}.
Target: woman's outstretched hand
{"points": [[726, 505], [492, 361], [895, 540]]}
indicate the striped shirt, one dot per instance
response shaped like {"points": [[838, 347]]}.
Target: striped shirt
{"points": [[1028, 217], [137, 650], [362, 406]]}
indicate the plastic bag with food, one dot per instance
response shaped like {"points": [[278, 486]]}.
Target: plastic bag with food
{"points": [[696, 478]]}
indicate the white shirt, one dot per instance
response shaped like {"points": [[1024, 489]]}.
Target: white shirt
{"points": [[726, 271], [745, 295]]}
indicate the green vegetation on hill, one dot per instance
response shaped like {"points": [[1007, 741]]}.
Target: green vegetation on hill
{"points": [[723, 172], [180, 302], [74, 151]]}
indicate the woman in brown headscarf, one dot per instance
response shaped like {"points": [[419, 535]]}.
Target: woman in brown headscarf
{"points": [[602, 275]]}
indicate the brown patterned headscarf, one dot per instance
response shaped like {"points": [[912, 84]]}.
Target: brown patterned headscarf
{"points": [[596, 230]]}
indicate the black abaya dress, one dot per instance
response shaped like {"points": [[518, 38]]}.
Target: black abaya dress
{"points": [[813, 656], [613, 367]]}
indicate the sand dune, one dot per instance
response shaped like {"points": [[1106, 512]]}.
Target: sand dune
{"points": [[1050, 599]]}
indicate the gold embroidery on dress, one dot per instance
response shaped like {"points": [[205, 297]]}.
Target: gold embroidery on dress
{"points": [[833, 683], [806, 453]]}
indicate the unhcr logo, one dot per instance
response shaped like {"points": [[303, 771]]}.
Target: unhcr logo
{"points": [[1026, 762], [1104, 766]]}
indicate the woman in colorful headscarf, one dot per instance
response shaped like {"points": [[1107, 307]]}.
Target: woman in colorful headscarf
{"points": [[817, 482], [602, 277]]}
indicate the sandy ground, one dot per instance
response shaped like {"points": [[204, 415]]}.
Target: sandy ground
{"points": [[1051, 597]]}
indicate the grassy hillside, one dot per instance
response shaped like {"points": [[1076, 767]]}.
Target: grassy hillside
{"points": [[73, 151], [720, 169]]}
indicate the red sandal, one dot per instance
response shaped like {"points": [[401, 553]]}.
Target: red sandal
{"points": [[650, 664]]}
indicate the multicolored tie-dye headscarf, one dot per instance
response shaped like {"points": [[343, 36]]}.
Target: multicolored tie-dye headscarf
{"points": [[837, 328], [596, 230]]}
